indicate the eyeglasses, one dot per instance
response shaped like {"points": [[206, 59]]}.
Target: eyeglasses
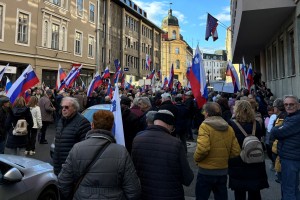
{"points": [[65, 107], [289, 105]]}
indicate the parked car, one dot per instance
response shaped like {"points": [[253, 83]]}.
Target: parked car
{"points": [[26, 178], [88, 114]]}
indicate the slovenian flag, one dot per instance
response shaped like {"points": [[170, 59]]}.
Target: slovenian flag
{"points": [[230, 71], [8, 85], [165, 82], [198, 79], [27, 80], [117, 65], [148, 62], [117, 131], [250, 80], [106, 73], [94, 84], [61, 75], [151, 75], [171, 78], [73, 76], [2, 72], [244, 73]]}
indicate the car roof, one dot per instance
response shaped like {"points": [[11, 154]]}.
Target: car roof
{"points": [[100, 107]]}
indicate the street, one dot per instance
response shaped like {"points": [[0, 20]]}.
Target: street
{"points": [[272, 193]]}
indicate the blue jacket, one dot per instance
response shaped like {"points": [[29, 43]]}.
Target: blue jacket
{"points": [[288, 135]]}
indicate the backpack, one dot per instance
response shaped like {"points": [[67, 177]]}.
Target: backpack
{"points": [[252, 149], [21, 128]]}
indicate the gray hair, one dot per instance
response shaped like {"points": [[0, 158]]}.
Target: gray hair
{"points": [[73, 100], [150, 116], [292, 97], [145, 100], [135, 101]]}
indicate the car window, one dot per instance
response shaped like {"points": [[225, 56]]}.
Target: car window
{"points": [[88, 114]]}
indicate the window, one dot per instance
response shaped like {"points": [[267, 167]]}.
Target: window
{"points": [[103, 54], [1, 21], [55, 36], [269, 64], [56, 2], [174, 35], [291, 53], [274, 61], [281, 58], [63, 38], [177, 64], [91, 46], [78, 42], [45, 43], [80, 7], [177, 50], [92, 13], [23, 25]]}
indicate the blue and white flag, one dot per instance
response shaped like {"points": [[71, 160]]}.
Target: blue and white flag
{"points": [[8, 85], [118, 131], [3, 71]]}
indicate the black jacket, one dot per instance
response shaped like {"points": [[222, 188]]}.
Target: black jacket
{"points": [[11, 121], [161, 164], [68, 132], [130, 127]]}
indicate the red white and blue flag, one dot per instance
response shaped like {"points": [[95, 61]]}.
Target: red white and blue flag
{"points": [[165, 82], [109, 90], [148, 62], [198, 79], [27, 96], [250, 80], [7, 85], [230, 71], [94, 84], [72, 76], [106, 73], [211, 27], [159, 75], [2, 72], [61, 75], [151, 75], [27, 80], [244, 73], [117, 65], [171, 78]]}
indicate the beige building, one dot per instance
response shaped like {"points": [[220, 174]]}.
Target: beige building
{"points": [[46, 33], [267, 33], [175, 50]]}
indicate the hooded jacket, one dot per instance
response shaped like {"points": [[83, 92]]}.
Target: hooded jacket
{"points": [[216, 143]]}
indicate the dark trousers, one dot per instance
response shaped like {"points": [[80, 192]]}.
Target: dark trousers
{"points": [[189, 129], [43, 130], [31, 139], [207, 183], [252, 195]]}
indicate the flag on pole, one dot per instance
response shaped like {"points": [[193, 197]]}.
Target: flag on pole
{"points": [[211, 27], [94, 84], [106, 73], [8, 85], [73, 76], [171, 78], [151, 75], [244, 73], [250, 80], [2, 72], [159, 75], [230, 71], [117, 65], [148, 62], [117, 131], [27, 95], [198, 79], [27, 80], [109, 90], [61, 75], [165, 82]]}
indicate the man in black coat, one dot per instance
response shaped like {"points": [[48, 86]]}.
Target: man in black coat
{"points": [[4, 111], [71, 128]]}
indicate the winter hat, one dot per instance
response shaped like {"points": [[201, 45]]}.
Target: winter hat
{"points": [[165, 116]]}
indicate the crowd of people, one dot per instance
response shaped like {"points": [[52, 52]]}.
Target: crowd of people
{"points": [[157, 125]]}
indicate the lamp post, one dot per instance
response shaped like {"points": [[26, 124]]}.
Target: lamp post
{"points": [[208, 72]]}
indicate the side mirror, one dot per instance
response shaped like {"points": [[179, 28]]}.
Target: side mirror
{"points": [[13, 175]]}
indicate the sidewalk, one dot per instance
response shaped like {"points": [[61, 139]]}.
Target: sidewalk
{"points": [[271, 193]]}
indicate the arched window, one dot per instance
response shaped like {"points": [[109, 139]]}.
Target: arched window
{"points": [[174, 35], [45, 42], [177, 64]]}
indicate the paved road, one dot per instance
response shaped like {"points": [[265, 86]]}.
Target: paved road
{"points": [[272, 193]]}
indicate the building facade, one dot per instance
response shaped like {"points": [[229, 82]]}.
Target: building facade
{"points": [[215, 65], [175, 50], [267, 34], [49, 33]]}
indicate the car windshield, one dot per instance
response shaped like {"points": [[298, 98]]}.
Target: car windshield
{"points": [[88, 113]]}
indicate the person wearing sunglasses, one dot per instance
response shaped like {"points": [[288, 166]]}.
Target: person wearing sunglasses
{"points": [[71, 129], [288, 147]]}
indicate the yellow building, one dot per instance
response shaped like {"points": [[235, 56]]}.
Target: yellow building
{"points": [[175, 50]]}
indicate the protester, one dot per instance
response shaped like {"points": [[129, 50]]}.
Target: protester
{"points": [[111, 176], [160, 160], [288, 135], [71, 128], [4, 111], [190, 105], [145, 106], [47, 111], [37, 124], [16, 144], [150, 117], [246, 178], [216, 143], [135, 107]]}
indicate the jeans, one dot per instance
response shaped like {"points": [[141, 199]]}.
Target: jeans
{"points": [[252, 195], [15, 151], [43, 130], [31, 139], [290, 179], [207, 183]]}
